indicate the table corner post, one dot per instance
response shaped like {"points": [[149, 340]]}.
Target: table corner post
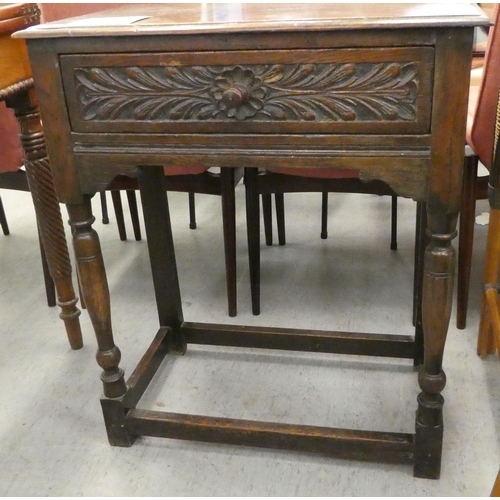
{"points": [[437, 303], [96, 294]]}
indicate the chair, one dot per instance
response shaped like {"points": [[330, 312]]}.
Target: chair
{"points": [[287, 180], [194, 180], [12, 176], [198, 179], [480, 123], [489, 324]]}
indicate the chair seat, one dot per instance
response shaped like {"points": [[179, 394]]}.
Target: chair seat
{"points": [[175, 170], [320, 173]]}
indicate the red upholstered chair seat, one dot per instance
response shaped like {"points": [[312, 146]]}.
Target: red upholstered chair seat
{"points": [[184, 170], [318, 173]]}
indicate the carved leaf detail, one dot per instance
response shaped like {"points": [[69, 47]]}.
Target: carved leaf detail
{"points": [[297, 92]]}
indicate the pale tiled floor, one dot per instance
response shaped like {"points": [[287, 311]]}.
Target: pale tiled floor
{"points": [[51, 428]]}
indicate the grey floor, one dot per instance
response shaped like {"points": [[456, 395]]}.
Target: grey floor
{"points": [[51, 428]]}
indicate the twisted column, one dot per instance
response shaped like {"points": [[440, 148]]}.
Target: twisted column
{"points": [[47, 209]]}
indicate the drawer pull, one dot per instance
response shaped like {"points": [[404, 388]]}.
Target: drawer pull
{"points": [[235, 96]]}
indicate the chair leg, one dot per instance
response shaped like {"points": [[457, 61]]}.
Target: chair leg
{"points": [[120, 221], [48, 213], [104, 207], [324, 215], [495, 492], [421, 242], [50, 288], [253, 235], [279, 201], [192, 211], [134, 213], [466, 237], [489, 323], [394, 223], [268, 218], [229, 229], [3, 220]]}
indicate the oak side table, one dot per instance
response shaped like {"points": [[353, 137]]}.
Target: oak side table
{"points": [[380, 88]]}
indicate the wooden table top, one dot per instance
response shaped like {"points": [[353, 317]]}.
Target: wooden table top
{"points": [[237, 17]]}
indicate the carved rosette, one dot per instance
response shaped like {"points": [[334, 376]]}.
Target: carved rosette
{"points": [[362, 92]]}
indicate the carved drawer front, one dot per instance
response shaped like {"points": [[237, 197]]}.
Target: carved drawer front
{"points": [[380, 91]]}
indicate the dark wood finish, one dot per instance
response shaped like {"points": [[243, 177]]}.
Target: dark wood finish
{"points": [[473, 188], [16, 89], [50, 226], [120, 219], [394, 223], [192, 211], [417, 155], [421, 242], [147, 367], [50, 288], [104, 207], [342, 443], [289, 339], [3, 220], [161, 248]]}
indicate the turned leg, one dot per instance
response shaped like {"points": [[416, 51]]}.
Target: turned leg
{"points": [[47, 210], [95, 290], [439, 264]]}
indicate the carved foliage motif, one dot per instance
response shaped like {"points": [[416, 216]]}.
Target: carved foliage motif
{"points": [[280, 92]]}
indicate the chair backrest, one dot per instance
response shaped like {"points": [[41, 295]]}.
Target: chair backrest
{"points": [[480, 137]]}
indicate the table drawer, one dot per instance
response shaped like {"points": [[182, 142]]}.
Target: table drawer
{"points": [[375, 91]]}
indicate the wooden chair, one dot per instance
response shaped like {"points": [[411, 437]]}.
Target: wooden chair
{"points": [[198, 179], [12, 176], [489, 324], [287, 180], [481, 118], [192, 180]]}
